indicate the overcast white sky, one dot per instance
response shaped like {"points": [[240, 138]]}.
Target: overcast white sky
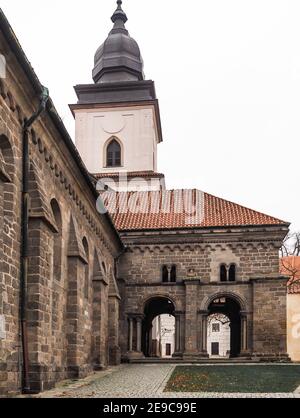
{"points": [[227, 74]]}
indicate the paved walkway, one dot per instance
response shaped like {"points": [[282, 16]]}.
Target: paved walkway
{"points": [[139, 381]]}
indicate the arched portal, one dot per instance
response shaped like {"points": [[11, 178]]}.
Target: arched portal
{"points": [[157, 312], [218, 335], [227, 307]]}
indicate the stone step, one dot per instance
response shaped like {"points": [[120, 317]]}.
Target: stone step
{"points": [[193, 361]]}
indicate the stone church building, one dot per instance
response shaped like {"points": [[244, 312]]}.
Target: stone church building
{"points": [[80, 286]]}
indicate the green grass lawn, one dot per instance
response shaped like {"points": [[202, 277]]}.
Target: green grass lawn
{"points": [[234, 379]]}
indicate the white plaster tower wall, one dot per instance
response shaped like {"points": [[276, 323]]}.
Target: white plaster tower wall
{"points": [[134, 127]]}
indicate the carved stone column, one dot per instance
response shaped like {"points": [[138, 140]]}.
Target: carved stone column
{"points": [[134, 330], [130, 334], [139, 334], [178, 334], [244, 333], [203, 337]]}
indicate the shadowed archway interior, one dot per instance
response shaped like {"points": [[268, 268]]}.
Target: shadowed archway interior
{"points": [[230, 308], [153, 308]]}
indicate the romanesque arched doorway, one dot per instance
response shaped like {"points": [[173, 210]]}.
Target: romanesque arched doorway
{"points": [[157, 310], [222, 309]]}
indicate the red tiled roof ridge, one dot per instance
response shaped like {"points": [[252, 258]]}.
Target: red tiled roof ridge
{"points": [[216, 212], [247, 208], [194, 190]]}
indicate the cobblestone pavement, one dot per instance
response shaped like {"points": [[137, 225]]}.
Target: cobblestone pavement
{"points": [[139, 381]]}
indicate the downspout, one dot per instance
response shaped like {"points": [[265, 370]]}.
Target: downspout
{"points": [[24, 237]]}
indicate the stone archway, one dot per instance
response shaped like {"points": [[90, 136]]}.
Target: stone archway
{"points": [[230, 308], [153, 308]]}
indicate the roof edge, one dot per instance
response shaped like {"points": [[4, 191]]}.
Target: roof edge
{"points": [[50, 108]]}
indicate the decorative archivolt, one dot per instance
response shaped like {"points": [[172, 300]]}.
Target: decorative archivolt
{"points": [[207, 300], [143, 301]]}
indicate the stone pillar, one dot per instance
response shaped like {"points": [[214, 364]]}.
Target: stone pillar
{"points": [[244, 333], [139, 334], [113, 323], [130, 334], [39, 307], [74, 320], [134, 329], [178, 334], [203, 340], [99, 342], [191, 316]]}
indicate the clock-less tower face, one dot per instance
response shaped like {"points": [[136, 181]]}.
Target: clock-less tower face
{"points": [[117, 139], [117, 118]]}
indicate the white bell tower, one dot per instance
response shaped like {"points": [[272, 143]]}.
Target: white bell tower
{"points": [[117, 118]]}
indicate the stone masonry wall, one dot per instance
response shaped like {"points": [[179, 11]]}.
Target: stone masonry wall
{"points": [[269, 317], [10, 206], [71, 250], [143, 264]]}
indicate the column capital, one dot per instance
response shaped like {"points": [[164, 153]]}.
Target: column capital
{"points": [[139, 318], [203, 312], [132, 315], [177, 313], [245, 313]]}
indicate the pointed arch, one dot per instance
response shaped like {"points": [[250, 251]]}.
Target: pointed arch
{"points": [[113, 153]]}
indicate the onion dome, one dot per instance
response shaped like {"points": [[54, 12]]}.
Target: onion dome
{"points": [[119, 58]]}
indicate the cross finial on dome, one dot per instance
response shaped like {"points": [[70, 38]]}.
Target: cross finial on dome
{"points": [[119, 3]]}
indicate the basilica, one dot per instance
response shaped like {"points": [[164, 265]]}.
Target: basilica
{"points": [[94, 248]]}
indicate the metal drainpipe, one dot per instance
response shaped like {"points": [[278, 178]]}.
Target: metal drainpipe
{"points": [[24, 239]]}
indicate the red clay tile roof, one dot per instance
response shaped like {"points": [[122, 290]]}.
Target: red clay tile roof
{"points": [[166, 211], [290, 266], [138, 174]]}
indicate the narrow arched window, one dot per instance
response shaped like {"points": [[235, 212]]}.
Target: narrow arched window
{"points": [[232, 273], [165, 274], [223, 273], [86, 268], [57, 241], [113, 154], [173, 274]]}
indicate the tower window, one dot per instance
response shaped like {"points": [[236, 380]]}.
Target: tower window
{"points": [[113, 158], [228, 273], [169, 274], [165, 274], [232, 273], [223, 273], [173, 274]]}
